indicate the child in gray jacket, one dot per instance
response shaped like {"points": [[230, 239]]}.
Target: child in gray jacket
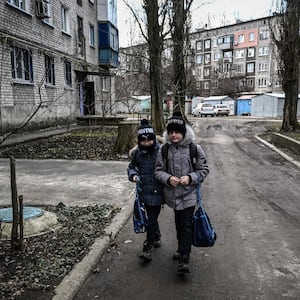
{"points": [[180, 181]]}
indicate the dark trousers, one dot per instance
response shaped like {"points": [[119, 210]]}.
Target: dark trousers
{"points": [[153, 227], [184, 229]]}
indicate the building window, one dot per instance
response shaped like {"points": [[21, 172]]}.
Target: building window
{"points": [[263, 51], [240, 53], [264, 34], [198, 72], [199, 59], [21, 4], [207, 58], [49, 69], [104, 83], [217, 56], [250, 68], [206, 85], [68, 73], [215, 84], [79, 2], [198, 84], [263, 67], [92, 36], [250, 82], [262, 82], [206, 71], [207, 44], [81, 44], [239, 68], [65, 20], [251, 37], [251, 52], [241, 38], [21, 64], [199, 45]]}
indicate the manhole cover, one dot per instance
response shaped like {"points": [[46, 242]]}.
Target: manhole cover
{"points": [[6, 214]]}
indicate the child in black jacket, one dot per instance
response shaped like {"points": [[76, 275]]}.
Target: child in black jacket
{"points": [[141, 169]]}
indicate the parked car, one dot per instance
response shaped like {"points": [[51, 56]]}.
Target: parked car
{"points": [[207, 109], [222, 110], [196, 110]]}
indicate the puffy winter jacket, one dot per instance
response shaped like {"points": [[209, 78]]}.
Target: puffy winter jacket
{"points": [[179, 164], [142, 164]]}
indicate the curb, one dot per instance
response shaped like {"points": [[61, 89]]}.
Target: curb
{"points": [[288, 158], [72, 282]]}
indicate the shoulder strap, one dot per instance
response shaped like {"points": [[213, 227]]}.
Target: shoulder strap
{"points": [[193, 154], [164, 151]]}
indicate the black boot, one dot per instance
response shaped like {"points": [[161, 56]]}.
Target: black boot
{"points": [[157, 241], [183, 264], [147, 252]]}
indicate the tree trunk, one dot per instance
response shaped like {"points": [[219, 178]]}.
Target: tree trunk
{"points": [[127, 137], [14, 201], [155, 44]]}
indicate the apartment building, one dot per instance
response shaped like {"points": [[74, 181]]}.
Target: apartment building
{"points": [[57, 60], [234, 59], [230, 60]]}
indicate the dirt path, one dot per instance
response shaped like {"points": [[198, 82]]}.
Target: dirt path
{"points": [[252, 197]]}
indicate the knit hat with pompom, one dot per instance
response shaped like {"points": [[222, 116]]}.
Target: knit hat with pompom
{"points": [[176, 123], [146, 131]]}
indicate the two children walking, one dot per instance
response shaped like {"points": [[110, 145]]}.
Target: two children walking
{"points": [[174, 180]]}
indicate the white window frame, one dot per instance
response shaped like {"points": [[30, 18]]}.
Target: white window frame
{"points": [[65, 20], [217, 56], [262, 66], [199, 59], [262, 82], [263, 51], [19, 4], [206, 85], [250, 67], [251, 37], [92, 35], [241, 38], [264, 34], [22, 66], [240, 53]]}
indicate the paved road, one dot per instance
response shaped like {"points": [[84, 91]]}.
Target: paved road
{"points": [[252, 197]]}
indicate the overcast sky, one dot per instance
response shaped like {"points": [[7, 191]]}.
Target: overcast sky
{"points": [[219, 11]]}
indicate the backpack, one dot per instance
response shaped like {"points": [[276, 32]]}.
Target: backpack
{"points": [[193, 154]]}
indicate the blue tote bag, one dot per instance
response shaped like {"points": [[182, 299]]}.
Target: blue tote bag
{"points": [[140, 219], [204, 234]]}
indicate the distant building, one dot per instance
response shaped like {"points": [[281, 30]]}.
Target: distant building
{"points": [[230, 60]]}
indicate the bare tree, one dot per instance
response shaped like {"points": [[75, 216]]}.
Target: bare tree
{"points": [[154, 35], [180, 33], [285, 34]]}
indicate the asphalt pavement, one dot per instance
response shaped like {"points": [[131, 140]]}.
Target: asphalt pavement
{"points": [[80, 182]]}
